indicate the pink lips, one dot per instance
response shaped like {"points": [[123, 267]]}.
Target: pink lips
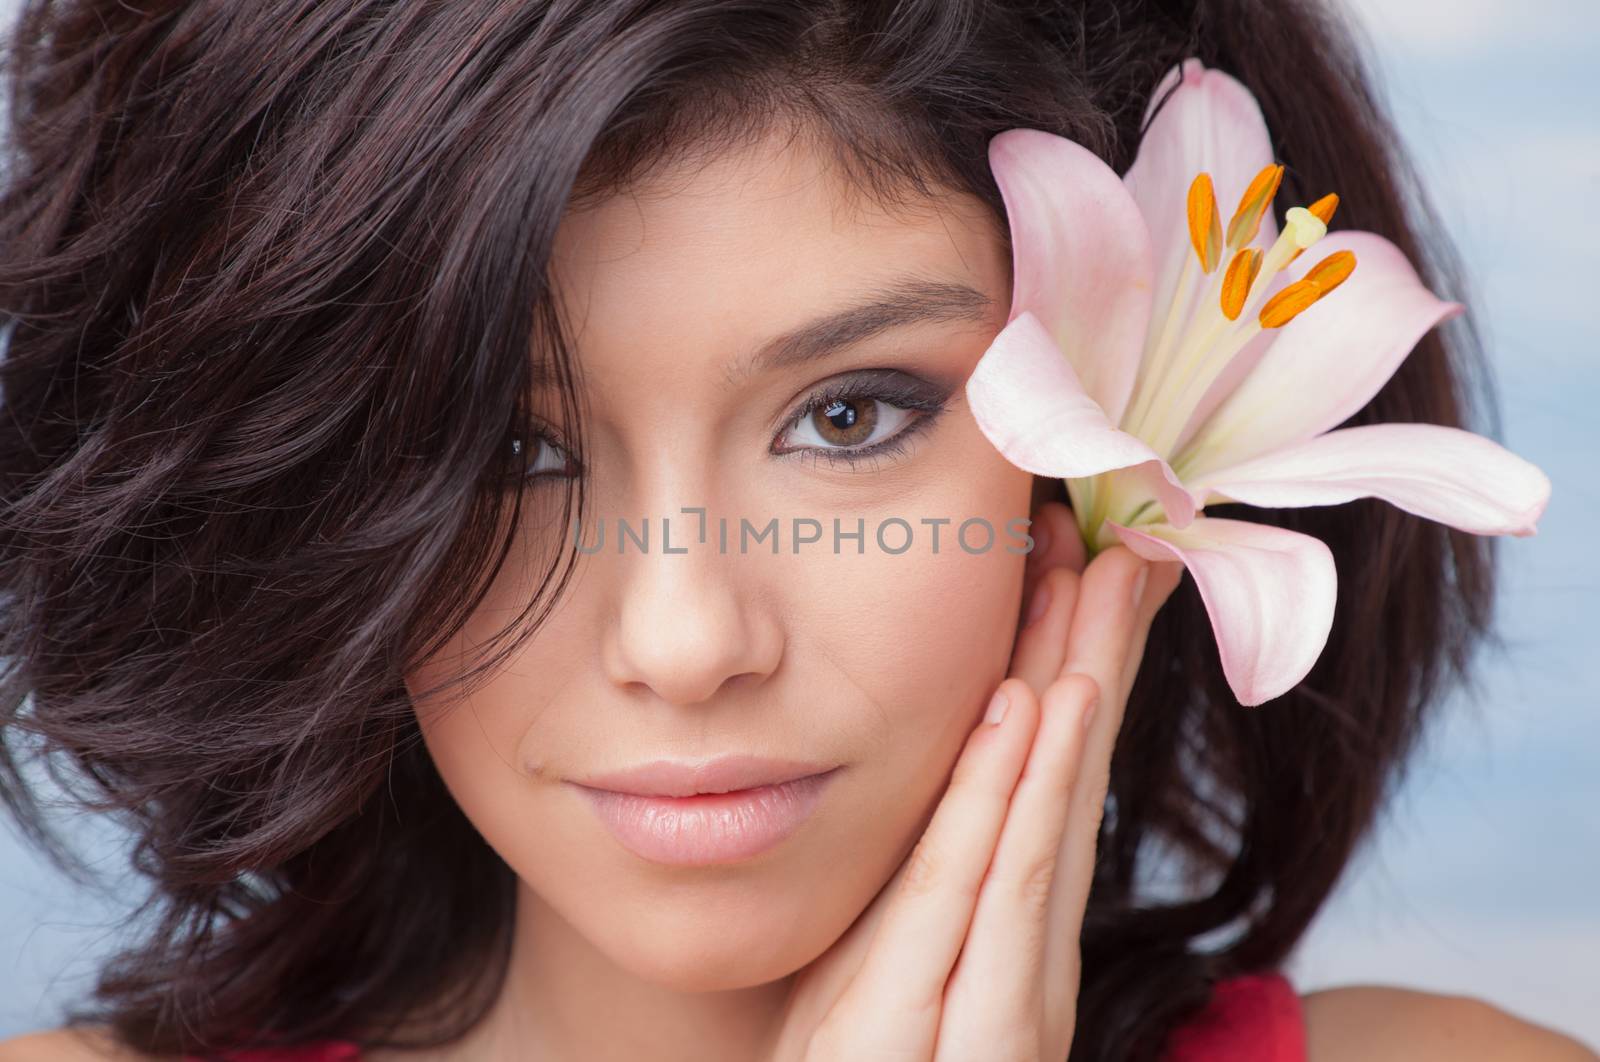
{"points": [[699, 814]]}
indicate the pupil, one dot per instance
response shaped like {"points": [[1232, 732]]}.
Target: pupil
{"points": [[845, 422]]}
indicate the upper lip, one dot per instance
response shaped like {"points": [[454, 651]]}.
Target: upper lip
{"points": [[676, 778]]}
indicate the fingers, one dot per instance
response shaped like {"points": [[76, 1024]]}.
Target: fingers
{"points": [[1058, 543], [1041, 645], [1117, 599], [1050, 582], [932, 895], [994, 990], [1162, 580], [1101, 635]]}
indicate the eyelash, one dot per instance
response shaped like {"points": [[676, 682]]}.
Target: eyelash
{"points": [[890, 387], [550, 437], [886, 386]]}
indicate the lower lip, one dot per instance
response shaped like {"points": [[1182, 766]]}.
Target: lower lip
{"points": [[709, 827]]}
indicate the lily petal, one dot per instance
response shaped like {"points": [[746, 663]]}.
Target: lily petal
{"points": [[1269, 591], [1433, 471], [1028, 401], [1326, 363], [1209, 124], [1080, 256]]}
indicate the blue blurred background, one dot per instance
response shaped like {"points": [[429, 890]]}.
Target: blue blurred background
{"points": [[1485, 877]]}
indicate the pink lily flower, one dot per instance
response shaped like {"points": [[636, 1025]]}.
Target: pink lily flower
{"points": [[1159, 363]]}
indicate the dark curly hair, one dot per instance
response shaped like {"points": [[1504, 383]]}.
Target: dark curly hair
{"points": [[273, 271]]}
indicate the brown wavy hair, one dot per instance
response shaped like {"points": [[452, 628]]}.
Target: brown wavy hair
{"points": [[272, 272]]}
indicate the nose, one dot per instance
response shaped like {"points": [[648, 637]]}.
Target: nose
{"points": [[690, 623]]}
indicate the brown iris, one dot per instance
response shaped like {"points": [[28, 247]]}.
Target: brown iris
{"points": [[845, 421]]}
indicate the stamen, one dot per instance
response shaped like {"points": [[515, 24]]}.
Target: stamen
{"points": [[1332, 271], [1236, 283], [1255, 202], [1289, 303], [1205, 225]]}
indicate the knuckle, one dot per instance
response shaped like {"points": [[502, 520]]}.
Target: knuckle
{"points": [[924, 868], [1075, 687], [1036, 883]]}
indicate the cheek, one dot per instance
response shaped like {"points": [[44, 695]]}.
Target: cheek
{"points": [[472, 742], [897, 651], [922, 637], [928, 633], [477, 739]]}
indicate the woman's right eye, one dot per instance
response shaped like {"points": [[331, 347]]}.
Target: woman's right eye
{"points": [[549, 460]]}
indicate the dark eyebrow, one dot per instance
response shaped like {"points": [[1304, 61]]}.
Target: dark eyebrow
{"points": [[905, 300]]}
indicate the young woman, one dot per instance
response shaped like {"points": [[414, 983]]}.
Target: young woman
{"points": [[435, 435]]}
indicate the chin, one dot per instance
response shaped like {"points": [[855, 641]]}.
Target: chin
{"points": [[712, 951]]}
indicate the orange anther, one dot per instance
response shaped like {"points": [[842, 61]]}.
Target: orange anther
{"points": [[1205, 225], [1332, 270], [1255, 202], [1288, 304], [1324, 207], [1237, 280]]}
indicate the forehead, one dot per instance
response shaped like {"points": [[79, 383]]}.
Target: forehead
{"points": [[771, 229]]}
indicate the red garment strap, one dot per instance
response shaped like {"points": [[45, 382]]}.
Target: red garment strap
{"points": [[1253, 1016]]}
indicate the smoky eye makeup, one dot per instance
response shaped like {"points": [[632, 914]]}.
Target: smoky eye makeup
{"points": [[852, 421], [861, 418]]}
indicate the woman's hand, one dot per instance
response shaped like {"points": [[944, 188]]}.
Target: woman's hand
{"points": [[970, 951]]}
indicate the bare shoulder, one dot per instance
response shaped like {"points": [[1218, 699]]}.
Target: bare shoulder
{"points": [[89, 1044], [1377, 1023]]}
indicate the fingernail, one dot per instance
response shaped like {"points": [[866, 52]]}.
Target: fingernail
{"points": [[1088, 712], [1040, 533], [1138, 584], [997, 708], [1040, 603]]}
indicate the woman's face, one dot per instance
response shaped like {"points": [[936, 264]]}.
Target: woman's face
{"points": [[867, 657]]}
